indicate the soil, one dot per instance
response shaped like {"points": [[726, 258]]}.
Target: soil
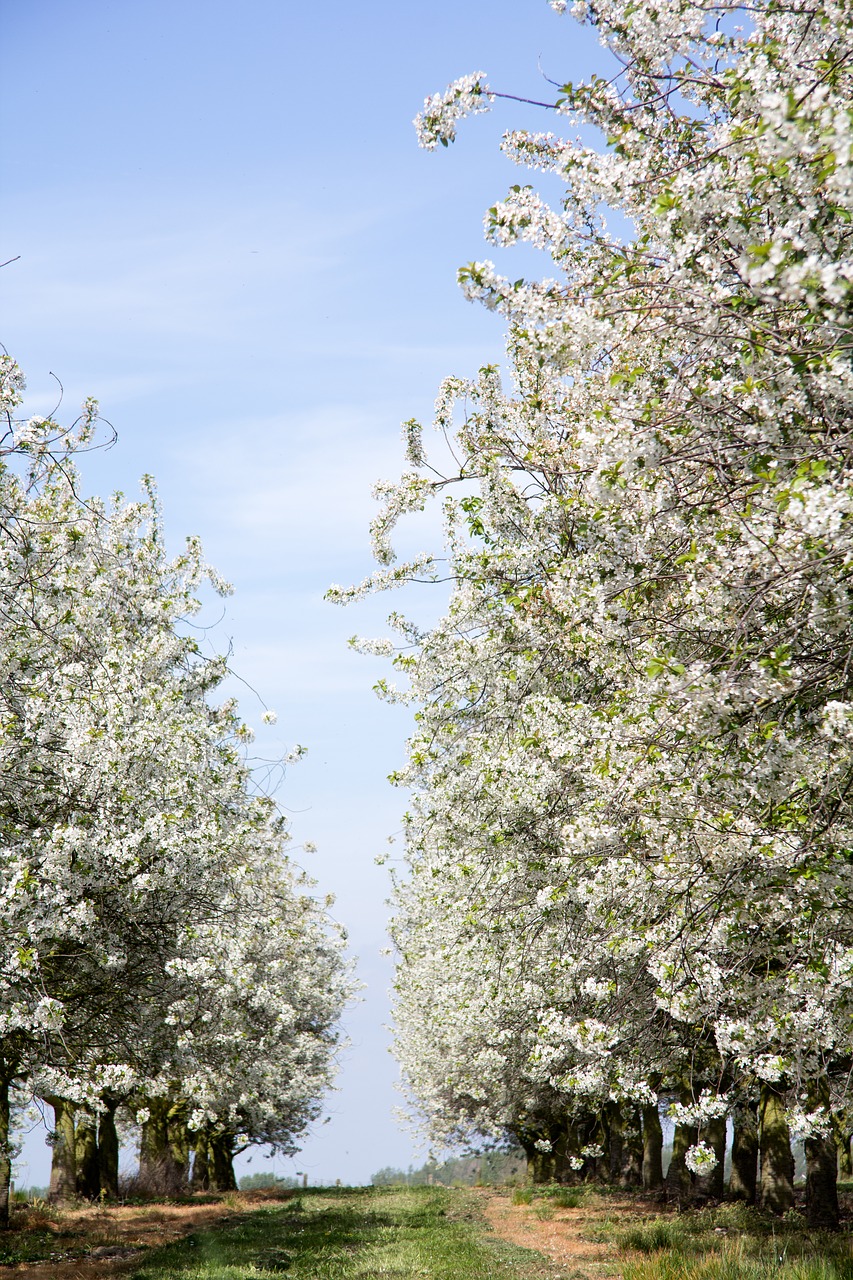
{"points": [[105, 1241], [563, 1236]]}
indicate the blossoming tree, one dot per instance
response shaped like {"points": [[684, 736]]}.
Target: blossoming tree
{"points": [[633, 732], [137, 864]]}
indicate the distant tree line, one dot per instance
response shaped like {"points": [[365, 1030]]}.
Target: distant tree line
{"points": [[489, 1168]]}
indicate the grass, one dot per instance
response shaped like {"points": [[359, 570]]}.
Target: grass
{"points": [[569, 1198], [731, 1242], [394, 1233]]}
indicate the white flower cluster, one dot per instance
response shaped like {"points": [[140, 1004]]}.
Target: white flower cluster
{"points": [[437, 122], [701, 1158]]}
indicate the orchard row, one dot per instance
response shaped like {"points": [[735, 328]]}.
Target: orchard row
{"points": [[160, 956], [629, 865]]}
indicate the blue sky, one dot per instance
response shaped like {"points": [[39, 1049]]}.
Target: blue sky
{"points": [[228, 234]]}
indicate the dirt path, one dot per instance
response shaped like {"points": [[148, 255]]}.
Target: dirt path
{"points": [[561, 1236], [95, 1242]]}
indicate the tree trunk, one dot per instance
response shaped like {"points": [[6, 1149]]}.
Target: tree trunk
{"points": [[633, 1149], [88, 1179], [108, 1150], [743, 1182], [159, 1173], [63, 1164], [652, 1149], [776, 1176], [179, 1141], [821, 1168], [5, 1155], [710, 1186], [153, 1145], [615, 1141], [679, 1179], [566, 1149], [201, 1169], [593, 1133], [222, 1156], [541, 1165]]}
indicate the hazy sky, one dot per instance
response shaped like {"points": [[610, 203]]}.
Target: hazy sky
{"points": [[228, 234]]}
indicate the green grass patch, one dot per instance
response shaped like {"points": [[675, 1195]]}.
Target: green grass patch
{"points": [[733, 1262], [568, 1198], [29, 1246], [394, 1233], [731, 1242]]}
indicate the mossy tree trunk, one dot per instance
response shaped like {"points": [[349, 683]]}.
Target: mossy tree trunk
{"points": [[562, 1139], [743, 1183], [845, 1163], [88, 1172], [5, 1153], [614, 1123], [222, 1177], [153, 1144], [776, 1173], [200, 1180], [594, 1134], [710, 1186], [679, 1180], [541, 1165], [652, 1149], [63, 1163], [108, 1149], [164, 1148], [633, 1148], [179, 1140], [821, 1168], [566, 1149]]}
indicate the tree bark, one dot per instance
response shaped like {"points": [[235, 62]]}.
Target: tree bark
{"points": [[821, 1168], [633, 1149], [594, 1134], [63, 1164], [179, 1141], [615, 1141], [88, 1173], [679, 1179], [5, 1155], [566, 1149], [743, 1183], [541, 1165], [710, 1186], [776, 1175], [108, 1150], [842, 1138], [160, 1173], [222, 1157], [652, 1149], [153, 1146], [200, 1180]]}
